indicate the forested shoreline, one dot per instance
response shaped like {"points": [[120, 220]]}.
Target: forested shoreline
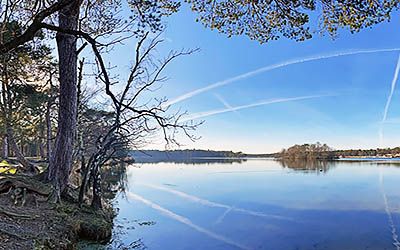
{"points": [[320, 151]]}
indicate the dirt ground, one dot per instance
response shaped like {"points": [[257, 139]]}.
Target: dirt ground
{"points": [[30, 222]]}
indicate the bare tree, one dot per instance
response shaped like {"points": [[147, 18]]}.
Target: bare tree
{"points": [[132, 121]]}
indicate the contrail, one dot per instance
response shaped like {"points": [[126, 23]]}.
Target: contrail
{"points": [[395, 237], [272, 67], [208, 203], [389, 100], [222, 217], [262, 103], [185, 221], [224, 102]]}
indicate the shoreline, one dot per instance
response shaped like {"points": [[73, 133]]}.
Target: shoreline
{"points": [[33, 223]]}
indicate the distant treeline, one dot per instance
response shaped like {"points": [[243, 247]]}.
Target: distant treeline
{"points": [[181, 155], [312, 151], [324, 152], [379, 152]]}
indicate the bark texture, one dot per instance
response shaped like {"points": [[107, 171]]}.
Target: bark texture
{"points": [[48, 130], [61, 159], [17, 151], [97, 190], [4, 148]]}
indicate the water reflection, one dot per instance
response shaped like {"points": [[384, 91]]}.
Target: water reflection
{"points": [[114, 180], [209, 203], [308, 166], [265, 205]]}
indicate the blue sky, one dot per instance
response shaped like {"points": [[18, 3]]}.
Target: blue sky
{"points": [[355, 88]]}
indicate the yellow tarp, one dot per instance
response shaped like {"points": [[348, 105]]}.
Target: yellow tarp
{"points": [[4, 163], [6, 168]]}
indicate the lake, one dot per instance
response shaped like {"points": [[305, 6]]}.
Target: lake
{"points": [[259, 204]]}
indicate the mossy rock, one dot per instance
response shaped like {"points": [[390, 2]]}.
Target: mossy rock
{"points": [[95, 229]]}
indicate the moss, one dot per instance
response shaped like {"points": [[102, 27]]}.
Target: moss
{"points": [[94, 225], [96, 229]]}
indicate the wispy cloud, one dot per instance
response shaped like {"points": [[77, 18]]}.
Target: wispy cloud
{"points": [[256, 104], [389, 101], [272, 67], [185, 221]]}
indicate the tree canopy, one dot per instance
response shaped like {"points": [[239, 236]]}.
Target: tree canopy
{"points": [[261, 20], [266, 20]]}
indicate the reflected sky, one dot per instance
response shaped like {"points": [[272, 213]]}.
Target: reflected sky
{"points": [[260, 204]]}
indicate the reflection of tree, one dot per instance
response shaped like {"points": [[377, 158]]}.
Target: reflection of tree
{"points": [[305, 165], [193, 161], [379, 161], [113, 179]]}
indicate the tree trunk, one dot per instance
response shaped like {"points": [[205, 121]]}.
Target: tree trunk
{"points": [[97, 190], [86, 173], [21, 146], [20, 157], [42, 151], [4, 148], [61, 160], [48, 130], [41, 141]]}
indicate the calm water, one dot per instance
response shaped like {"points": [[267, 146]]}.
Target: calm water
{"points": [[259, 204]]}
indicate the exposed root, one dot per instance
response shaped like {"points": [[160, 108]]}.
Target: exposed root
{"points": [[3, 231], [24, 182], [18, 215], [54, 197], [13, 231]]}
